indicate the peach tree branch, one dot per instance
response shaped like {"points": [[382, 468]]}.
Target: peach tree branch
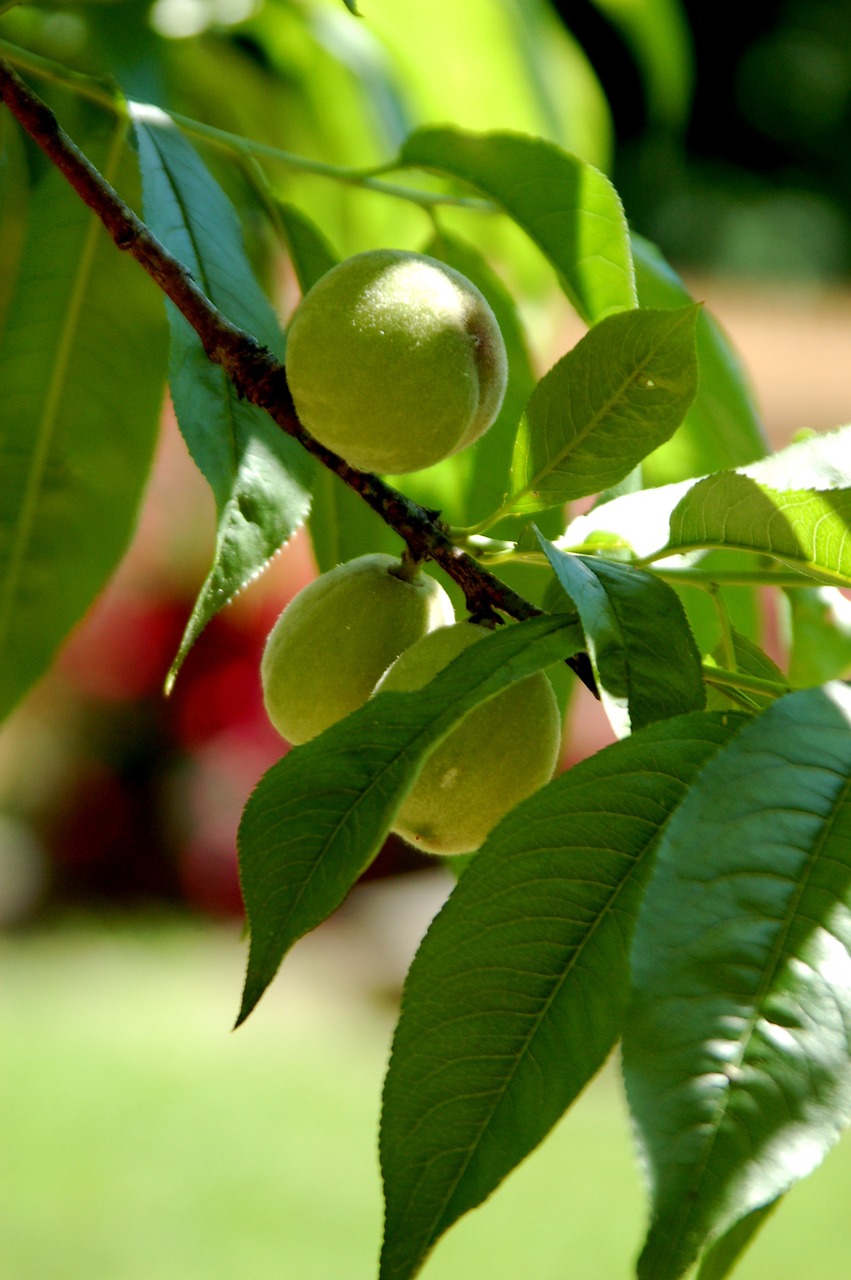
{"points": [[256, 374]]}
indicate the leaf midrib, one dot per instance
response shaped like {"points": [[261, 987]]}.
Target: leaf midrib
{"points": [[635, 865], [51, 405], [777, 956], [561, 458]]}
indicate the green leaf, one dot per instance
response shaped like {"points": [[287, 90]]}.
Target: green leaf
{"points": [[82, 369], [737, 1043], [645, 661], [258, 475], [818, 627], [517, 992], [343, 526], [319, 816], [805, 529], [658, 33], [722, 1257], [639, 522], [14, 198], [622, 390], [722, 427], [492, 66], [642, 519], [309, 250], [568, 208], [748, 658], [813, 462]]}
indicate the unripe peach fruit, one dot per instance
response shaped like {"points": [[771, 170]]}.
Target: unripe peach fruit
{"points": [[500, 753], [395, 361], [336, 638]]}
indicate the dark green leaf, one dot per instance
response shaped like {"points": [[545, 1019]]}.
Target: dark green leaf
{"points": [[722, 428], [517, 992], [14, 197], [622, 390], [319, 816], [722, 1257], [569, 209], [805, 529], [645, 661], [259, 476], [737, 1043], [82, 371]]}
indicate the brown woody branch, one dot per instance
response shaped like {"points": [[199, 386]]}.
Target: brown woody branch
{"points": [[254, 371]]}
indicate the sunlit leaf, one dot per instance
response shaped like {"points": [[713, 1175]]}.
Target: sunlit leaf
{"points": [[517, 992], [568, 208], [645, 661], [259, 476], [82, 372], [622, 390], [319, 816], [722, 427], [805, 529], [817, 461], [737, 1048]]}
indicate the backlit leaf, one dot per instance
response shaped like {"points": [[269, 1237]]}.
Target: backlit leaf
{"points": [[722, 427], [621, 391], [807, 530], [818, 634], [568, 208]]}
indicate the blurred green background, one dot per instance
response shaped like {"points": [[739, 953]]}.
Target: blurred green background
{"points": [[142, 1139]]}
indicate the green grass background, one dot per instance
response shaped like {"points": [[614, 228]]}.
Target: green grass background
{"points": [[141, 1140]]}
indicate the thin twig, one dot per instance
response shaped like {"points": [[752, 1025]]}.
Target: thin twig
{"points": [[256, 374], [101, 92]]}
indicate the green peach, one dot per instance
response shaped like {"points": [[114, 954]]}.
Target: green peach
{"points": [[395, 361], [500, 753], [336, 638]]}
